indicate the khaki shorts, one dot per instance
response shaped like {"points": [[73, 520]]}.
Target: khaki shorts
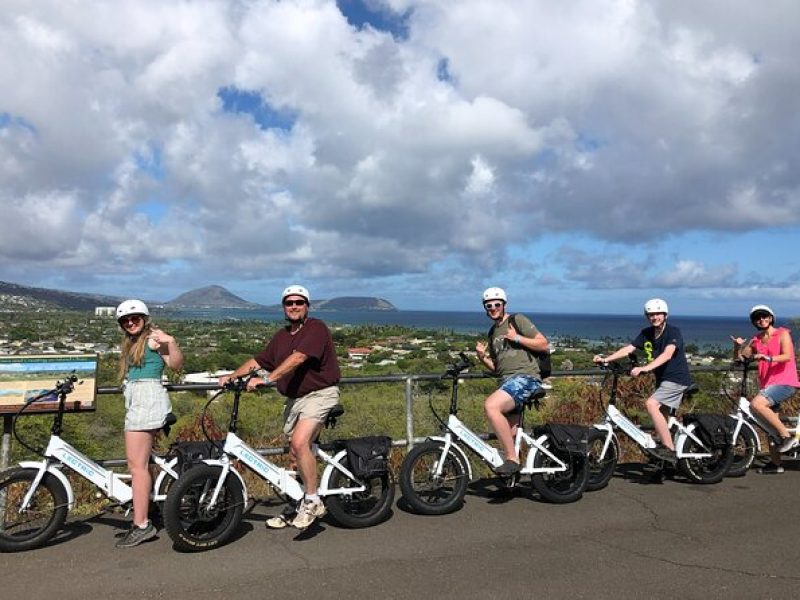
{"points": [[146, 405], [314, 405]]}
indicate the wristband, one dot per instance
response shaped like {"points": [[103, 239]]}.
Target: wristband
{"points": [[769, 359], [516, 339]]}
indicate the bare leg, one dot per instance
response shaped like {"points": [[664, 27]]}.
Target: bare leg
{"points": [[138, 445], [659, 422], [496, 406], [761, 406], [304, 432]]}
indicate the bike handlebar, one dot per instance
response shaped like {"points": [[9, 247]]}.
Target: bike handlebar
{"points": [[457, 367], [620, 368]]}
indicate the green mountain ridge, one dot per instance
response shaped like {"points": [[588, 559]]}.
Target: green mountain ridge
{"points": [[15, 297]]}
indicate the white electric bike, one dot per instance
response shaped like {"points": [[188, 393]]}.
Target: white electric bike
{"points": [[697, 458], [435, 473], [746, 441], [204, 507], [36, 496]]}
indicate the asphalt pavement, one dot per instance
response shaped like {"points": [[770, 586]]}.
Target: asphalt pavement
{"points": [[635, 539]]}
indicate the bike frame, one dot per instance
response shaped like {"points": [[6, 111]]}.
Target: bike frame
{"points": [[457, 433], [615, 419], [59, 454], [745, 417], [281, 479]]}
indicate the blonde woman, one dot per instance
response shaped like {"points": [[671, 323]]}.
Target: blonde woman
{"points": [[145, 352]]}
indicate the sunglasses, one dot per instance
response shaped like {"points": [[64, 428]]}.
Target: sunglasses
{"points": [[132, 319], [761, 317], [294, 302], [492, 305]]}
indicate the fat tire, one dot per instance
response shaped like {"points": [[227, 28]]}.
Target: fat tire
{"points": [[50, 495], [425, 495], [705, 470], [361, 509], [744, 453], [601, 470], [190, 529], [561, 487]]}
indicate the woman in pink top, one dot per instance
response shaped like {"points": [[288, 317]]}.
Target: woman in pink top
{"points": [[772, 347]]}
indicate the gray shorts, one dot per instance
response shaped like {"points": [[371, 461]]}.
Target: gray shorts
{"points": [[146, 405], [314, 405], [670, 393]]}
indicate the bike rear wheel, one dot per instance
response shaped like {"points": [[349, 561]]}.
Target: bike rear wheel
{"points": [[601, 466], [560, 487], [44, 516], [744, 453], [191, 522], [426, 492], [360, 509], [707, 470]]}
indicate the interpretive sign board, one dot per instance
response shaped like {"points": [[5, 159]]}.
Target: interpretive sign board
{"points": [[23, 378]]}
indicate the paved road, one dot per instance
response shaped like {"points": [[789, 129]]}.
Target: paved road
{"points": [[632, 540]]}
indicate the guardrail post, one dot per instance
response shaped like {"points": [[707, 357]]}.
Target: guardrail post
{"points": [[5, 447], [409, 413]]}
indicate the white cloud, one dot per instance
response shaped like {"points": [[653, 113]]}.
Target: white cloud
{"points": [[622, 120]]}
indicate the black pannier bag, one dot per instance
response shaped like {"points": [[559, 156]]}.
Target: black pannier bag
{"points": [[714, 430], [190, 454], [570, 438], [368, 456]]}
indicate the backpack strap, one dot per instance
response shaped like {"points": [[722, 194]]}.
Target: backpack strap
{"points": [[512, 319]]}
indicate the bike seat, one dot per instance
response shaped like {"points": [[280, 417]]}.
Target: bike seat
{"points": [[168, 423], [533, 400], [691, 391], [336, 412]]}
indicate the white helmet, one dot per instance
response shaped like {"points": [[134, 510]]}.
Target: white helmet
{"points": [[296, 290], [494, 293], [656, 305], [761, 308], [132, 307]]}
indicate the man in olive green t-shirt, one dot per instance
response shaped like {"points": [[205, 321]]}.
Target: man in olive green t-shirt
{"points": [[508, 353]]}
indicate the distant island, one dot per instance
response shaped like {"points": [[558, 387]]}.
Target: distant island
{"points": [[212, 296], [14, 297]]}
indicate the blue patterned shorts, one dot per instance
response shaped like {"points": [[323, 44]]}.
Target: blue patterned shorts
{"points": [[520, 388]]}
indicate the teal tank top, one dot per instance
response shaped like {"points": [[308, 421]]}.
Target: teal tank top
{"points": [[152, 366]]}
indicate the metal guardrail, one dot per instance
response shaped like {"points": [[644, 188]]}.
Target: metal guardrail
{"points": [[408, 381]]}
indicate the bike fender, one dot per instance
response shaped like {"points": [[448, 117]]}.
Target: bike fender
{"points": [[56, 472], [458, 450], [215, 462], [338, 458], [688, 434], [741, 425]]}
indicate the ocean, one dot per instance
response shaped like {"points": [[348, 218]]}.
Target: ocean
{"points": [[704, 332]]}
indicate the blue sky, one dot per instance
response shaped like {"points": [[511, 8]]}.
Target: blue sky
{"points": [[586, 156]]}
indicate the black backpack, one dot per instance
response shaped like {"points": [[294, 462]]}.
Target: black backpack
{"points": [[543, 358]]}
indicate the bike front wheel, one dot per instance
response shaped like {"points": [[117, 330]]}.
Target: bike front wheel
{"points": [[744, 453], [360, 509], [41, 519], [427, 492], [710, 469], [191, 520], [560, 487], [601, 466]]}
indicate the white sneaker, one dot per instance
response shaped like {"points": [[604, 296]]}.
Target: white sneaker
{"points": [[308, 512], [788, 444], [282, 520]]}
